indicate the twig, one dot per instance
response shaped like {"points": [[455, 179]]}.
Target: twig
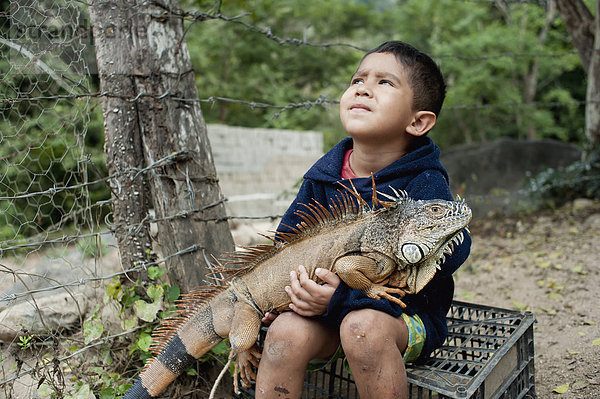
{"points": [[219, 378]]}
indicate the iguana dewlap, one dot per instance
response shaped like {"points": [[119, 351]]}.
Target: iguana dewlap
{"points": [[400, 242]]}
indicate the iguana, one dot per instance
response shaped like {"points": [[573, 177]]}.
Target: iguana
{"points": [[391, 247]]}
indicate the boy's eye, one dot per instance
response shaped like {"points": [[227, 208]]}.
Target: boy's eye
{"points": [[385, 82], [357, 81]]}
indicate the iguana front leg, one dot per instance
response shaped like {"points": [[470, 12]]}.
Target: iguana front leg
{"points": [[366, 274], [245, 327]]}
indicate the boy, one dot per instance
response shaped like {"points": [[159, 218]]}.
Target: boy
{"points": [[393, 100]]}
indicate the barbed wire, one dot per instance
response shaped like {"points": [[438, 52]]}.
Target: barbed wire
{"points": [[321, 101], [473, 198], [536, 2], [58, 234]]}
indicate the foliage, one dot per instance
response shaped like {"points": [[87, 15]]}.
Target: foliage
{"points": [[554, 187], [107, 371], [51, 141], [487, 51]]}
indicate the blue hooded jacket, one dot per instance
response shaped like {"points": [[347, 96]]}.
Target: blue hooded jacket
{"points": [[422, 176]]}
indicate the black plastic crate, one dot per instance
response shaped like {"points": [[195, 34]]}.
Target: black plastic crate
{"points": [[488, 355]]}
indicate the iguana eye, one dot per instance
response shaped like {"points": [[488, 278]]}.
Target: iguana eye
{"points": [[437, 210]]}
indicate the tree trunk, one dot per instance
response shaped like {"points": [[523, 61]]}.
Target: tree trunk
{"points": [[580, 24], [592, 109], [123, 146], [154, 60], [531, 77], [585, 34]]}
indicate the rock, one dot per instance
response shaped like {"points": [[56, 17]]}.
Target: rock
{"points": [[59, 307], [493, 176], [583, 203], [46, 315], [248, 233], [593, 222]]}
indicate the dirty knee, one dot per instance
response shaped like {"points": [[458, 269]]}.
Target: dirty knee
{"points": [[285, 341], [360, 335]]}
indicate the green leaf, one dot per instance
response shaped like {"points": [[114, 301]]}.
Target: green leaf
{"points": [[173, 293], [108, 393], [96, 370], [45, 391], [92, 330], [579, 270], [221, 348], [128, 324], [155, 272], [561, 388], [146, 311], [144, 341], [82, 393], [520, 306], [155, 292], [106, 355], [123, 387], [114, 288], [554, 295], [596, 342]]}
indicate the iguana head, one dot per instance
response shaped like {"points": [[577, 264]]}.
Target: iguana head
{"points": [[421, 234]]}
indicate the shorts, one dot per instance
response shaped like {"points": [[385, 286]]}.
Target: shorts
{"points": [[416, 340]]}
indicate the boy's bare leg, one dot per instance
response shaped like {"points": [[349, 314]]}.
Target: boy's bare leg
{"points": [[291, 342], [373, 343]]}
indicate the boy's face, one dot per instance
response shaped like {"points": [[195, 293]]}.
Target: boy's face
{"points": [[378, 103]]}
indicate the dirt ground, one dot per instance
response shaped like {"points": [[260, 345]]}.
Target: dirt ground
{"points": [[547, 264]]}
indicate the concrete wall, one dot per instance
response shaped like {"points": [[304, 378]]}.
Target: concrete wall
{"points": [[260, 170]]}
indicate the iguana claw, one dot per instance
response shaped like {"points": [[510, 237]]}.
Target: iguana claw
{"points": [[243, 367], [377, 291]]}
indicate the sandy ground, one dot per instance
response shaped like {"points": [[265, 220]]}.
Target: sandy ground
{"points": [[547, 264]]}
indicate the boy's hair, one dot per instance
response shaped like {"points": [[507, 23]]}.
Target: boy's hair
{"points": [[424, 75]]}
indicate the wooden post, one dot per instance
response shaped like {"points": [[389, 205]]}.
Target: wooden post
{"points": [[144, 66]]}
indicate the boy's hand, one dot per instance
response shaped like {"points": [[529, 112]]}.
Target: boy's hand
{"points": [[268, 318], [308, 297]]}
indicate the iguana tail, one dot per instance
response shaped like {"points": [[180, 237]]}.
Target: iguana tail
{"points": [[183, 338]]}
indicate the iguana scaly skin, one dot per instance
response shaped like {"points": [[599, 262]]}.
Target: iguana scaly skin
{"points": [[393, 247]]}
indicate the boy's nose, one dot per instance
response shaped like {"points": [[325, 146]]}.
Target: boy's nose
{"points": [[363, 90]]}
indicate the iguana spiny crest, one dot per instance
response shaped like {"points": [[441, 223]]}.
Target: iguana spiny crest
{"points": [[391, 247]]}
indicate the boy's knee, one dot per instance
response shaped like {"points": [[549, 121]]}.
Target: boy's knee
{"points": [[366, 330], [286, 337], [358, 327]]}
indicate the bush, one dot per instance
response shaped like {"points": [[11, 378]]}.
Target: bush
{"points": [[555, 187]]}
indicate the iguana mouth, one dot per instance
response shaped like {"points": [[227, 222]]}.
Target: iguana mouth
{"points": [[448, 246]]}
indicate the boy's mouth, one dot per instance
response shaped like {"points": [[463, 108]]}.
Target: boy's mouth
{"points": [[359, 107]]}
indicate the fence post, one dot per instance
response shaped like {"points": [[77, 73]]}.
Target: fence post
{"points": [[153, 118]]}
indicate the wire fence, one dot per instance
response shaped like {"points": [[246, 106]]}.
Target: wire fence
{"points": [[56, 227]]}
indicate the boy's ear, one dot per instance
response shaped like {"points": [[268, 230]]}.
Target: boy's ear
{"points": [[422, 122]]}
